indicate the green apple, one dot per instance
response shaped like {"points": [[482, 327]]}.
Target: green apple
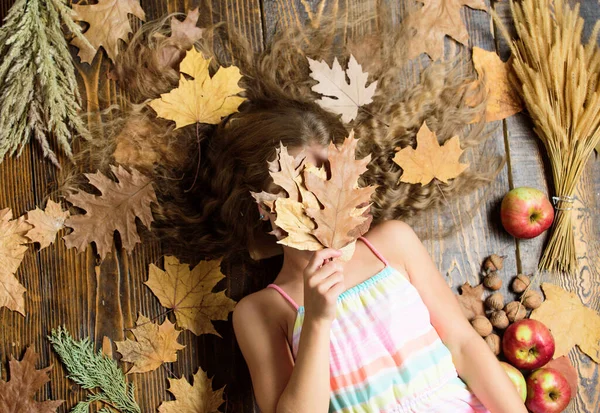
{"points": [[517, 378]]}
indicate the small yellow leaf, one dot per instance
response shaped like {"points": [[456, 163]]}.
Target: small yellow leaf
{"points": [[570, 322], [46, 224], [154, 345], [430, 160], [200, 99], [189, 293], [199, 398]]}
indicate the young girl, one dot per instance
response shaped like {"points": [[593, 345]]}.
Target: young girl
{"points": [[381, 332]]}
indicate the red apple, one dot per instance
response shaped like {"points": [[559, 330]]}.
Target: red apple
{"points": [[547, 391], [526, 212], [517, 378], [528, 344]]}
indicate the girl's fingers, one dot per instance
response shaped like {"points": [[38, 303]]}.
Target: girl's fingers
{"points": [[330, 281], [322, 273], [319, 257]]}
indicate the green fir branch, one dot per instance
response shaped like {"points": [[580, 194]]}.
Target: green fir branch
{"points": [[38, 87], [94, 371]]}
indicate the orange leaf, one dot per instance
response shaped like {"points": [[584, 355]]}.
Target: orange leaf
{"points": [[430, 160], [436, 19], [16, 395]]}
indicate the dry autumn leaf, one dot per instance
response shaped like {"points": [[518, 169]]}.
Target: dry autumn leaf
{"points": [[201, 99], [430, 160], [12, 251], [115, 210], [189, 293], [183, 36], [502, 101], [109, 24], [470, 300], [436, 19], [154, 345], [292, 218], [46, 224], [342, 96], [16, 394], [199, 398], [570, 322], [342, 218]]}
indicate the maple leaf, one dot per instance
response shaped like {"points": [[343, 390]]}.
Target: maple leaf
{"points": [[46, 224], [200, 99], [502, 101], [183, 36], [154, 345], [16, 395], [470, 300], [342, 200], [109, 23], [340, 96], [570, 322], [436, 19], [12, 251], [199, 398], [430, 160], [188, 293], [115, 210]]}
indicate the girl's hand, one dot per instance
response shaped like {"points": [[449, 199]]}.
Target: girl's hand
{"points": [[323, 283]]}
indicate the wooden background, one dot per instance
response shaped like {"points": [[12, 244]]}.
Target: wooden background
{"points": [[102, 299]]}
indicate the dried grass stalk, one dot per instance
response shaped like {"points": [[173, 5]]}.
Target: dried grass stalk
{"points": [[559, 81]]}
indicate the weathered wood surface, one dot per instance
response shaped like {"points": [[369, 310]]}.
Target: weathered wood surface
{"points": [[103, 299]]}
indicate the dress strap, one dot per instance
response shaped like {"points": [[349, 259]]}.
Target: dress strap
{"points": [[284, 295], [372, 248]]}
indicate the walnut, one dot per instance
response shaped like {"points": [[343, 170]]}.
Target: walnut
{"points": [[482, 325]]}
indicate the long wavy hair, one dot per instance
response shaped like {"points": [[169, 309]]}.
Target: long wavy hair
{"points": [[204, 173]]}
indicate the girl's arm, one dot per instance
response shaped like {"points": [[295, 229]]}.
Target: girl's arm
{"points": [[474, 361]]}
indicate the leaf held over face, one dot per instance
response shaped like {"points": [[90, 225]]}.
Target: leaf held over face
{"points": [[109, 24], [340, 96], [435, 20], [115, 210], [189, 293], [12, 251], [16, 395], [470, 300], [201, 99], [154, 345], [292, 218], [502, 101], [46, 224], [199, 398], [570, 322], [430, 160]]}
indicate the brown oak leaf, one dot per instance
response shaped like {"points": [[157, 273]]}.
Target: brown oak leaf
{"points": [[502, 100], [115, 210], [344, 204], [470, 300], [109, 24], [16, 394], [46, 224], [570, 322], [433, 22], [563, 365], [189, 293], [154, 345], [199, 398], [184, 34], [430, 160], [12, 251], [292, 218]]}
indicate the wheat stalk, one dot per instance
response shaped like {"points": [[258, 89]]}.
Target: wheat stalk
{"points": [[558, 78]]}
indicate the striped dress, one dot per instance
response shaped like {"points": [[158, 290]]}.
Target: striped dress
{"points": [[385, 356]]}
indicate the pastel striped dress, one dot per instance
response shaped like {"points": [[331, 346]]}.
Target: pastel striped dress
{"points": [[385, 356]]}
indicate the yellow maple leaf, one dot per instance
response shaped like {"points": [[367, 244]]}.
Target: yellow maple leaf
{"points": [[570, 322], [199, 398], [430, 160], [201, 99], [46, 223], [502, 100], [189, 293], [154, 345]]}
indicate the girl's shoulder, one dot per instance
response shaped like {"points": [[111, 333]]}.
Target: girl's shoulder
{"points": [[264, 307], [392, 239]]}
